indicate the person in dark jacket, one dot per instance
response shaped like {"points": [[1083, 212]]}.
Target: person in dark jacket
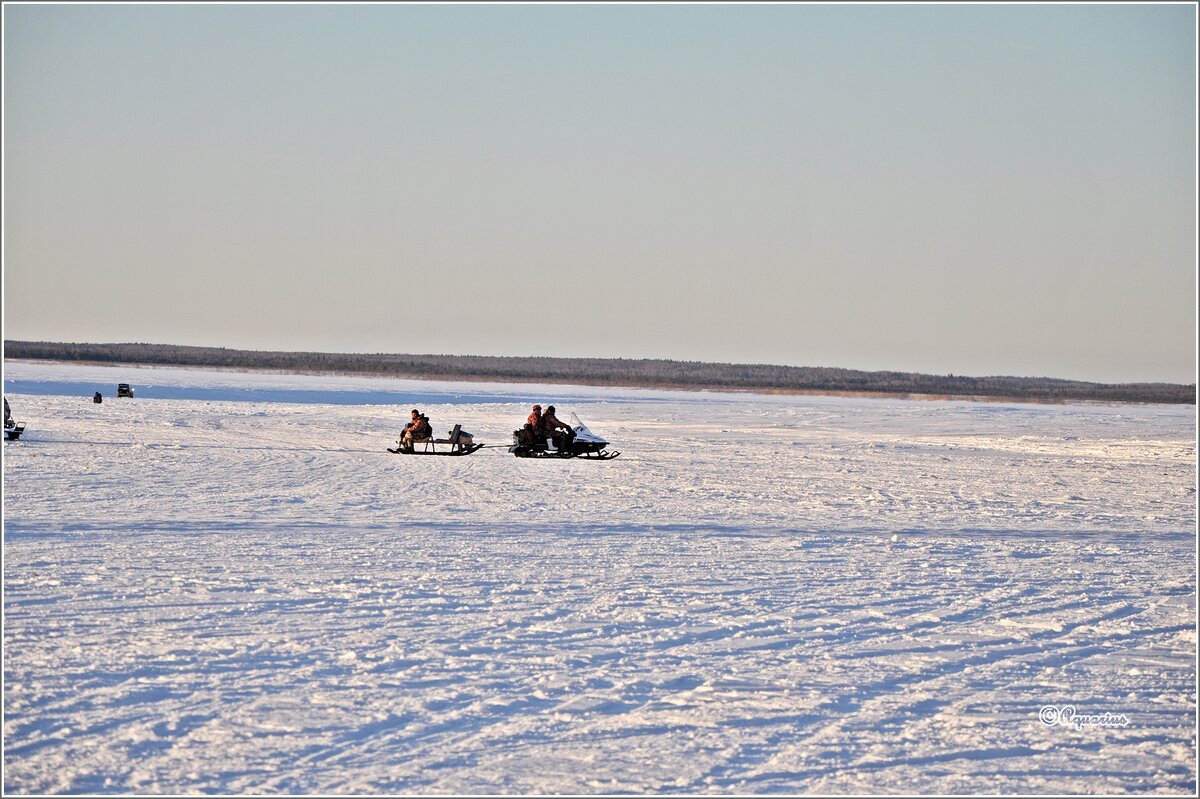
{"points": [[560, 432]]}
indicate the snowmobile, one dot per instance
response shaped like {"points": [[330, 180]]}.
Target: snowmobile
{"points": [[460, 442], [584, 444], [12, 429]]}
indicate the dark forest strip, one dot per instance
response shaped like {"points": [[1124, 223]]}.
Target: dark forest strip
{"points": [[645, 373]]}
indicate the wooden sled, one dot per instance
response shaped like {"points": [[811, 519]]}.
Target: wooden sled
{"points": [[455, 443]]}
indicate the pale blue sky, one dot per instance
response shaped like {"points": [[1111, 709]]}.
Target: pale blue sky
{"points": [[976, 189]]}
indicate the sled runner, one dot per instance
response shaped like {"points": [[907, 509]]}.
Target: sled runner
{"points": [[584, 444], [460, 442]]}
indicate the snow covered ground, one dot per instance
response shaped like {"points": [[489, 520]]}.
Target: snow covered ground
{"points": [[227, 585]]}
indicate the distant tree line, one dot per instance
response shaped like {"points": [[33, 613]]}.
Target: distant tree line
{"points": [[643, 372]]}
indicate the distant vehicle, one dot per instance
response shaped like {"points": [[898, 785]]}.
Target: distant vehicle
{"points": [[585, 444], [124, 390], [12, 429]]}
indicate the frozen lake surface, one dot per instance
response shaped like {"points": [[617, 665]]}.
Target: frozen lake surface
{"points": [[227, 585]]}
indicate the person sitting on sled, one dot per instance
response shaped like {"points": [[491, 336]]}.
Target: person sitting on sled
{"points": [[551, 425], [419, 428], [416, 419]]}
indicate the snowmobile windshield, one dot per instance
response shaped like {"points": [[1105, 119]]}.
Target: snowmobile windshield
{"points": [[582, 433]]}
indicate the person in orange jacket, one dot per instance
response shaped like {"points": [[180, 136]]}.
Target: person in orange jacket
{"points": [[419, 428], [536, 423]]}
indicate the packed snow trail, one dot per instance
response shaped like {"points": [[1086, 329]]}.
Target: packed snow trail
{"points": [[762, 595]]}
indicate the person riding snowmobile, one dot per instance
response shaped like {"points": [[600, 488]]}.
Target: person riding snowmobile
{"points": [[533, 434], [536, 423], [551, 427]]}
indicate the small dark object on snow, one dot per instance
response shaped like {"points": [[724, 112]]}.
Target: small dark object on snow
{"points": [[98, 398], [123, 390]]}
